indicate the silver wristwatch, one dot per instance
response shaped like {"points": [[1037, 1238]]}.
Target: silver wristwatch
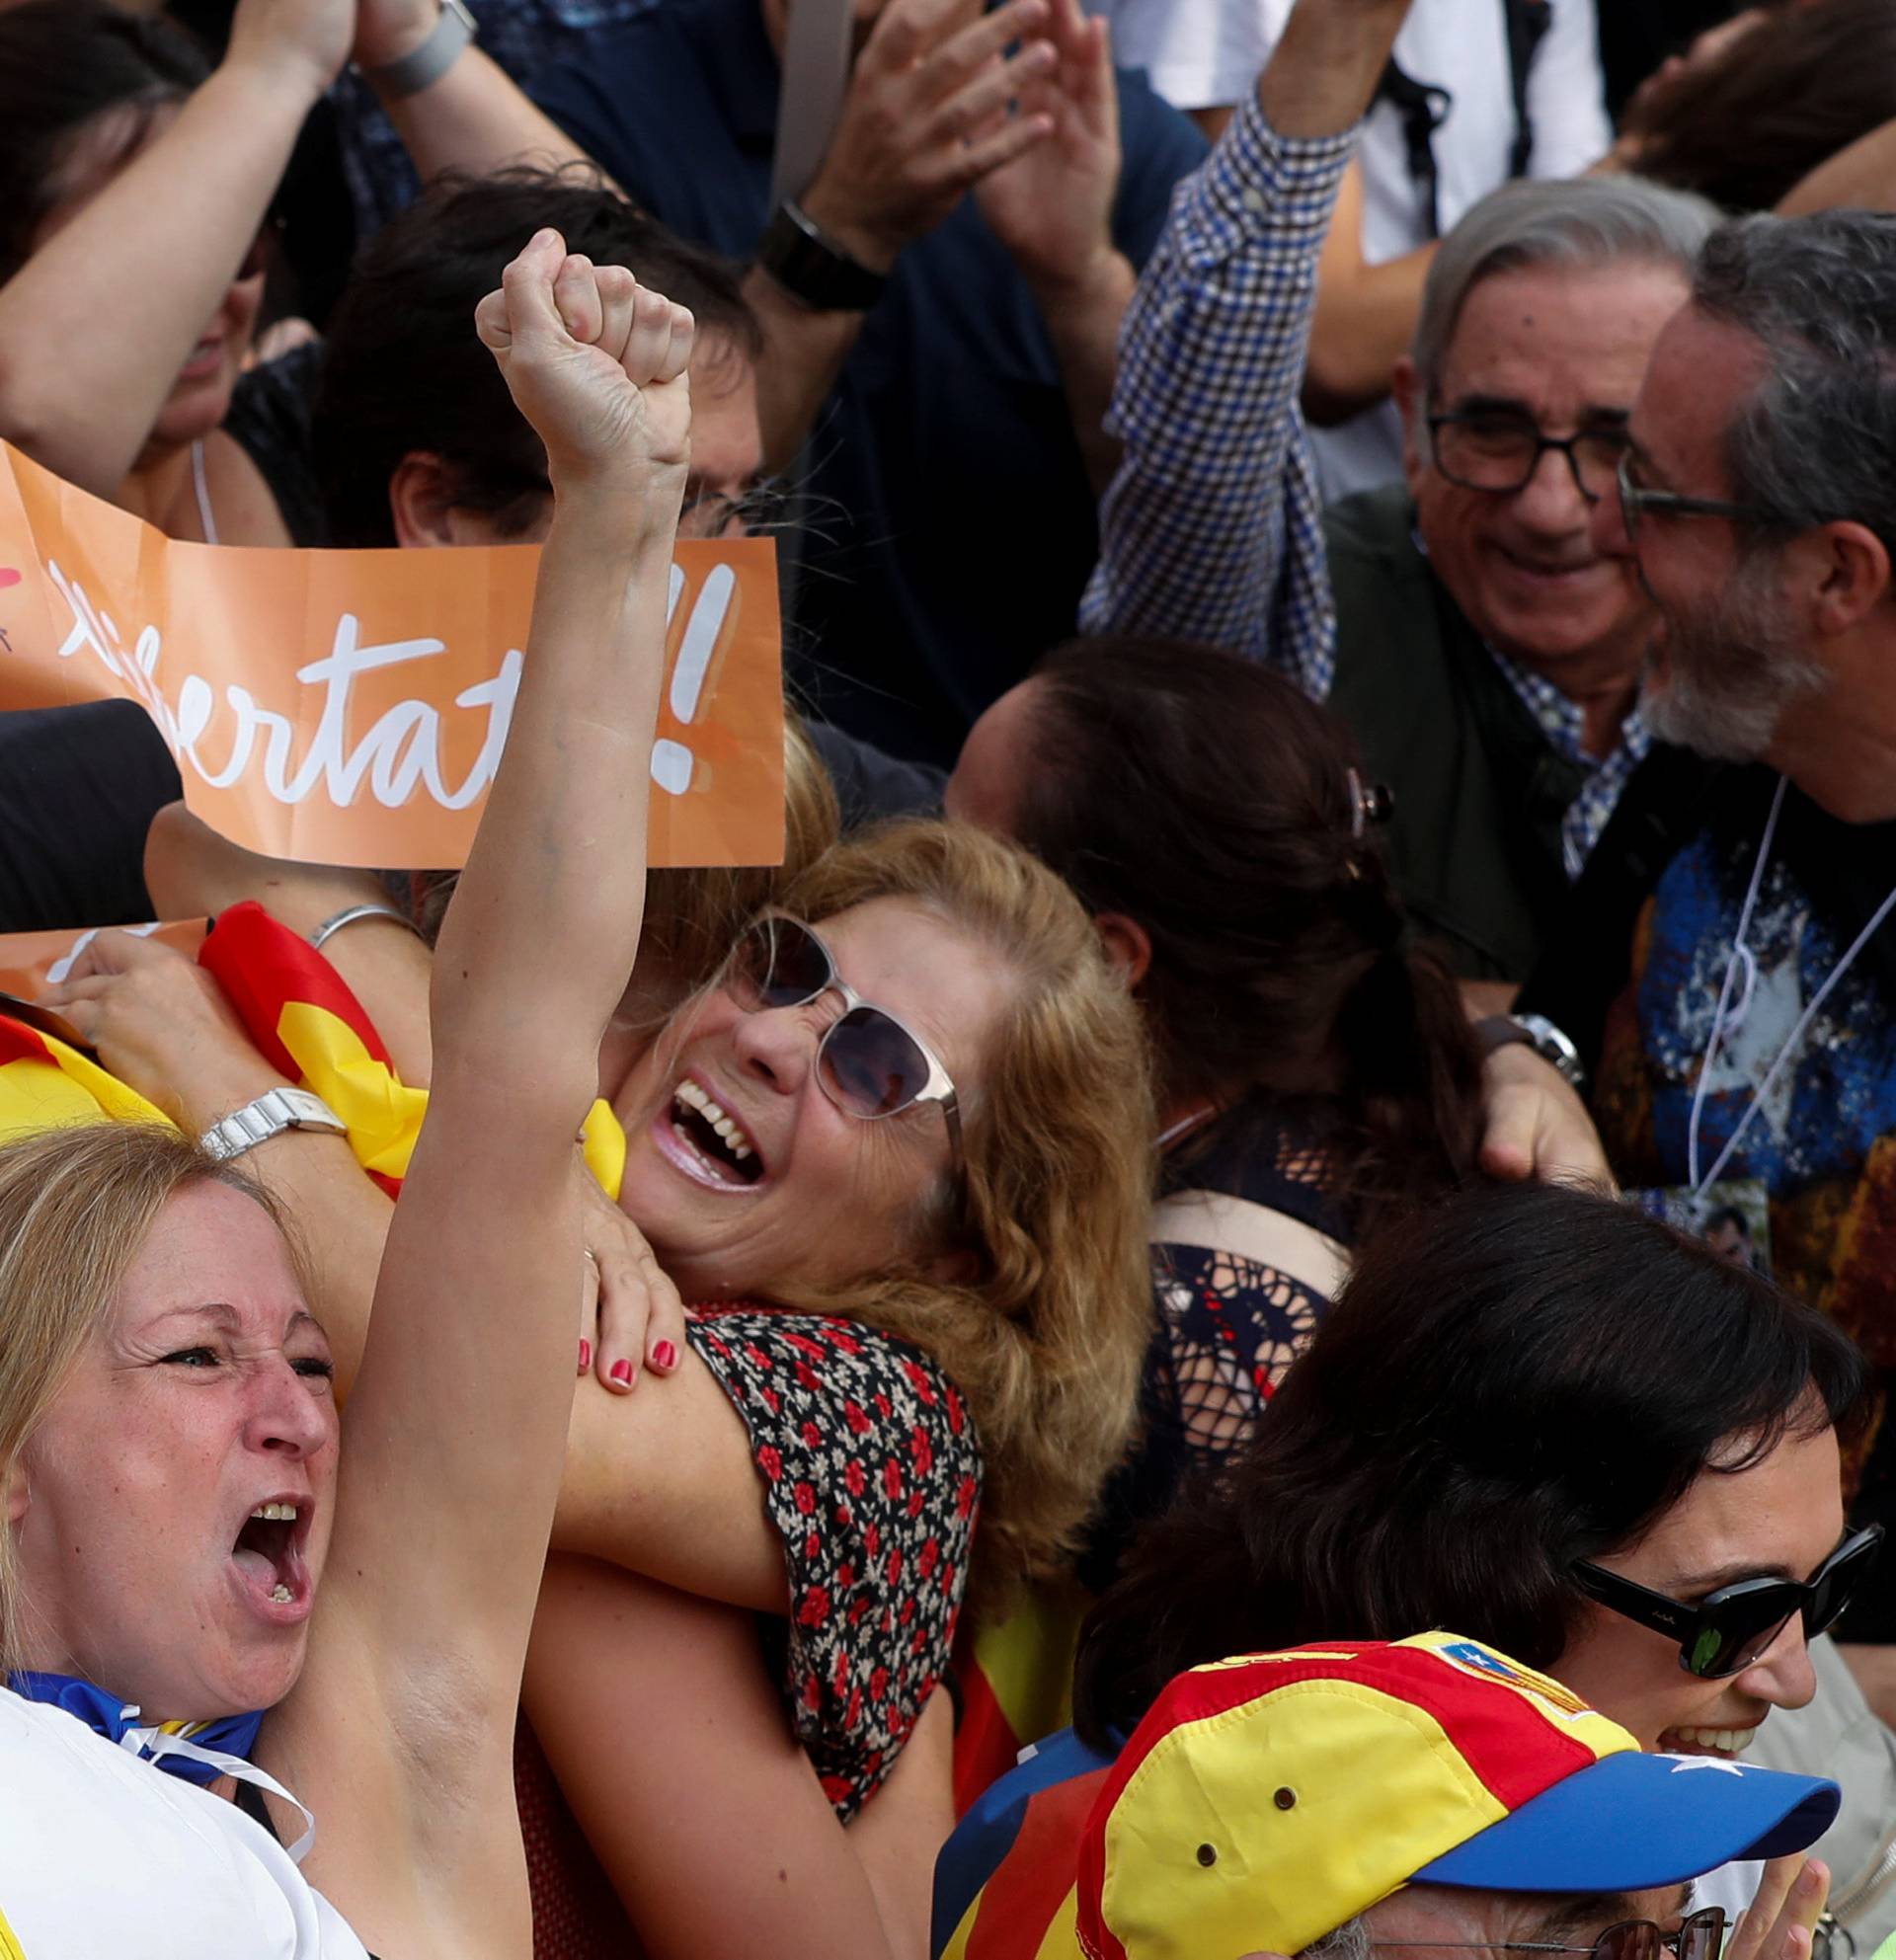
{"points": [[425, 65], [274, 1111], [1536, 1032]]}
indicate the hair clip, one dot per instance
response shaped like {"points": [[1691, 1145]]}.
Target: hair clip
{"points": [[1369, 803]]}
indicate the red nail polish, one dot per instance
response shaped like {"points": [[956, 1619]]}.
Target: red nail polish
{"points": [[585, 1356], [622, 1373], [664, 1354]]}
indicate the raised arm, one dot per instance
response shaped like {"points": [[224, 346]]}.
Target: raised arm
{"points": [[85, 366], [1211, 529], [473, 117], [455, 1435]]}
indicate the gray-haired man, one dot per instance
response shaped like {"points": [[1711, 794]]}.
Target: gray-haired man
{"points": [[1484, 651]]}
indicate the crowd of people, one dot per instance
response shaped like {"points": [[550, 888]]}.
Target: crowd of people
{"points": [[1249, 1301]]}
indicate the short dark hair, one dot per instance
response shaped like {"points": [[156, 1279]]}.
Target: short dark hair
{"points": [[1518, 1378], [64, 64], [1814, 442], [403, 371], [1210, 802]]}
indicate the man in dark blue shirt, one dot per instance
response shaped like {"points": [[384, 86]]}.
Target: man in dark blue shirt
{"points": [[954, 464]]}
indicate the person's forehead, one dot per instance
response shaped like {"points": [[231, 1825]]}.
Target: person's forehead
{"points": [[213, 1257], [1701, 370], [1560, 339]]}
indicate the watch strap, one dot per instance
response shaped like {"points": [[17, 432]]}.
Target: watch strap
{"points": [[1536, 1032], [811, 268], [425, 65], [268, 1116]]}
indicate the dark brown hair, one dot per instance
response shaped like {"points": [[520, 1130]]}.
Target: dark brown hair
{"points": [[64, 64], [1519, 1377], [1209, 802], [1787, 94]]}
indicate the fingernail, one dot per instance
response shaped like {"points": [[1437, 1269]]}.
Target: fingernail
{"points": [[622, 1373], [585, 1356], [664, 1354]]}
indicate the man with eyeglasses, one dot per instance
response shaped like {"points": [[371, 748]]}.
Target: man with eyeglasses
{"points": [[1427, 1795], [1484, 651], [1745, 1025]]}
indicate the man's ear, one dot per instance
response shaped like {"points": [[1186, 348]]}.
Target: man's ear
{"points": [[1128, 945], [419, 503], [1844, 569], [1407, 387]]}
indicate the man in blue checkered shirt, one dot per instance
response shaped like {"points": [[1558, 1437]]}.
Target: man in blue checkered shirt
{"points": [[1486, 655]]}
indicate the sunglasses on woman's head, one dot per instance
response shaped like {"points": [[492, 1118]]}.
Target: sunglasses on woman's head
{"points": [[1730, 1629], [1700, 1937], [869, 1063]]}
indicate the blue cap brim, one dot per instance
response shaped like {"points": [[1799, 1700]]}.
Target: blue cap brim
{"points": [[1632, 1821]]}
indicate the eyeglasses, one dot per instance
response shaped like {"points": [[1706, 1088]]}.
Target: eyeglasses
{"points": [[1495, 450], [1635, 497], [763, 505], [869, 1063], [1728, 1630], [1701, 1937]]}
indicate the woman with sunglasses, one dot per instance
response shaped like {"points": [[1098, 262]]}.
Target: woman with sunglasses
{"points": [[1541, 1418], [897, 1150]]}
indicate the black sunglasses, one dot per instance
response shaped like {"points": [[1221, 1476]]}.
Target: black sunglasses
{"points": [[1728, 1630], [869, 1063], [1700, 1937]]}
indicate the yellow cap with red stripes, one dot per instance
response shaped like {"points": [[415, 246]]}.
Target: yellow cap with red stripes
{"points": [[1265, 1800]]}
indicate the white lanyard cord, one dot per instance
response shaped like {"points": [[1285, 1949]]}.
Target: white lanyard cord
{"points": [[1798, 1033], [1739, 949], [200, 483]]}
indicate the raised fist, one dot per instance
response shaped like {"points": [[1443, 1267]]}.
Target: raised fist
{"points": [[596, 364]]}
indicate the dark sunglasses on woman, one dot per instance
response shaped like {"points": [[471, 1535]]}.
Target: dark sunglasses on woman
{"points": [[869, 1063], [1700, 1937], [1728, 1630]]}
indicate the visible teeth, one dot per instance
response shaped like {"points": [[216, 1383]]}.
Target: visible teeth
{"points": [[692, 1097], [280, 1593], [277, 1513], [1733, 1741]]}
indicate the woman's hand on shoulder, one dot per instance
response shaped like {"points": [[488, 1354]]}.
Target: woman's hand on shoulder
{"points": [[160, 1023], [634, 1319], [596, 364], [302, 42]]}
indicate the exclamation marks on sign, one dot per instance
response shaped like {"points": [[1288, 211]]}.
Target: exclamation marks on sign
{"points": [[672, 762]]}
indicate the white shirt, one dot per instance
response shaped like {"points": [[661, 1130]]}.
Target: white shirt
{"points": [[102, 1854], [1209, 53]]}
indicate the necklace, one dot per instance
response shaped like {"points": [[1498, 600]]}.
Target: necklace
{"points": [[1743, 960]]}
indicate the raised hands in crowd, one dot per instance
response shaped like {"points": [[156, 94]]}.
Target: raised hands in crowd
{"points": [[1245, 1309]]}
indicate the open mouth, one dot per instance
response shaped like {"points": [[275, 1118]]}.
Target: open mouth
{"points": [[721, 1148], [1707, 1742], [269, 1553]]}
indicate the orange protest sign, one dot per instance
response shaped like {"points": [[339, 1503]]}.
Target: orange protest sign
{"points": [[348, 707]]}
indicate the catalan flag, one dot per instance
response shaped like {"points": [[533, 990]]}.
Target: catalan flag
{"points": [[304, 1019]]}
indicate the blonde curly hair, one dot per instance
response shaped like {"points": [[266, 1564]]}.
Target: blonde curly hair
{"points": [[1046, 1340]]}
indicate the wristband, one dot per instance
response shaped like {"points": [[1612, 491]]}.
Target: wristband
{"points": [[813, 269], [425, 65]]}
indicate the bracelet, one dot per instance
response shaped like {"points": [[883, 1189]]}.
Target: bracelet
{"points": [[348, 914], [425, 65]]}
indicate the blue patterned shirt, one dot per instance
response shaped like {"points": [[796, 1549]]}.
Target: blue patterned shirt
{"points": [[1213, 530]]}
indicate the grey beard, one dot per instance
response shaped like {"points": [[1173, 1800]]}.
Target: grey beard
{"points": [[1733, 671]]}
